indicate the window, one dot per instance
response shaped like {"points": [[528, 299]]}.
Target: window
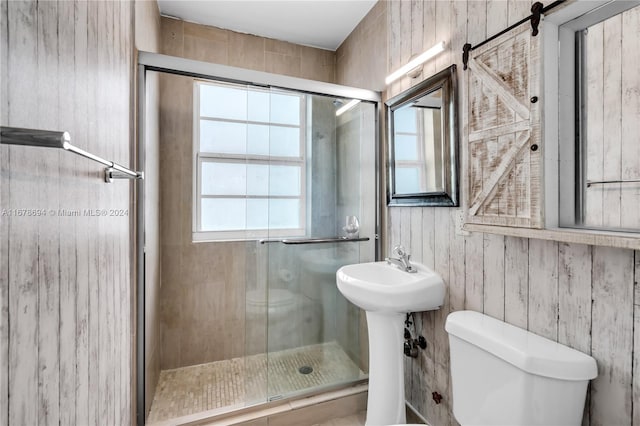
{"points": [[598, 86], [249, 161]]}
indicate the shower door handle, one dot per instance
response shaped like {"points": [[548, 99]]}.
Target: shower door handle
{"points": [[315, 240]]}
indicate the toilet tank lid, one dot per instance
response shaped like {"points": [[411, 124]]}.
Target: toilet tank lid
{"points": [[525, 350]]}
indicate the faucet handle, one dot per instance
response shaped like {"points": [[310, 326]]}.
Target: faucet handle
{"points": [[400, 250]]}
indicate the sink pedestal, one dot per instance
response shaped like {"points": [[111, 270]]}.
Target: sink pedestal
{"points": [[385, 404], [386, 293]]}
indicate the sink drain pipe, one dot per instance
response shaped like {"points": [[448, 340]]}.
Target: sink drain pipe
{"points": [[411, 345]]}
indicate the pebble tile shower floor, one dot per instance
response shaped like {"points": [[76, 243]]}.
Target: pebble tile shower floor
{"points": [[243, 381]]}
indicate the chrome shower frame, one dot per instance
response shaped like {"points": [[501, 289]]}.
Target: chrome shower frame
{"points": [[173, 65]]}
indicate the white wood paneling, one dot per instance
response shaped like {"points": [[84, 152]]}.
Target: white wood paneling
{"points": [[543, 288], [612, 93], [574, 296], [493, 269], [457, 263], [630, 125], [4, 221], [82, 168], [636, 342], [428, 237], [595, 118], [428, 34], [48, 227], [574, 301], [612, 335], [23, 246], [66, 66], [442, 411], [67, 226], [473, 266], [516, 281]]}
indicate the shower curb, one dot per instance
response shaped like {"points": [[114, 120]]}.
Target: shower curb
{"points": [[356, 395]]}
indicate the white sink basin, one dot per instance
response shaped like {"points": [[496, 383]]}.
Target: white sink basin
{"points": [[387, 293], [380, 287]]}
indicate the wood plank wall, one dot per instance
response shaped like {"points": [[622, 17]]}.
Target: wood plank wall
{"points": [[65, 281], [612, 121], [581, 296]]}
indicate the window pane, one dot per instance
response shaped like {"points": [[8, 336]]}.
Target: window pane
{"points": [[407, 180], [404, 120], [285, 109], [405, 148], [223, 102], [222, 137], [258, 106], [258, 140], [223, 214], [258, 179], [285, 141], [257, 213], [284, 214], [284, 180], [224, 178]]}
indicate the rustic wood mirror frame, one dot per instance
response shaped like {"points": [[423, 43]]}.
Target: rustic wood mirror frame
{"points": [[448, 197]]}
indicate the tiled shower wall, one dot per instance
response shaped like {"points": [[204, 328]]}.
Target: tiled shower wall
{"points": [[587, 297], [216, 45]]}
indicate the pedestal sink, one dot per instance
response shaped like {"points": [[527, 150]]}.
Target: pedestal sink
{"points": [[387, 293]]}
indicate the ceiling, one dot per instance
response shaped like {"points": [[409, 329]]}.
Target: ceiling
{"points": [[318, 23]]}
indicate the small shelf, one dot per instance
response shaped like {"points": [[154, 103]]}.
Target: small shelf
{"points": [[626, 240]]}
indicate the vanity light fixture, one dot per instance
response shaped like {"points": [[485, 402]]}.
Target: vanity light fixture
{"points": [[415, 63], [347, 107]]}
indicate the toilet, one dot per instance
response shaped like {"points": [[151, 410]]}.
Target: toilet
{"points": [[504, 375]]}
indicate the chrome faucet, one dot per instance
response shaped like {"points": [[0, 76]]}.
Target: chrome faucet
{"points": [[403, 261]]}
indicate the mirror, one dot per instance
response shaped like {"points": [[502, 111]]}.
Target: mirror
{"points": [[423, 138]]}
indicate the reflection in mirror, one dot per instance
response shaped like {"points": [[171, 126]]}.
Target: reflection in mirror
{"points": [[608, 193], [422, 142], [418, 145]]}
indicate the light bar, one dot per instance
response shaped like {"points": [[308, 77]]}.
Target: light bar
{"points": [[416, 62]]}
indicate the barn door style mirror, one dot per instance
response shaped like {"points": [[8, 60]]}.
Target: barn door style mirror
{"points": [[423, 140]]}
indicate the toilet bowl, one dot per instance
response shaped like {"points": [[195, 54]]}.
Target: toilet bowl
{"points": [[504, 375]]}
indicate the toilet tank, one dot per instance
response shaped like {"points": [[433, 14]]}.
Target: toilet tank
{"points": [[504, 375]]}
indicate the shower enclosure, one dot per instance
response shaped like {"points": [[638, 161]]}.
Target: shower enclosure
{"points": [[249, 179]]}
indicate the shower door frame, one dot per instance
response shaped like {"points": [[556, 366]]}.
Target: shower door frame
{"points": [[148, 61]]}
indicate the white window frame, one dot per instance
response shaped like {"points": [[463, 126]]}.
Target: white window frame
{"points": [[202, 157]]}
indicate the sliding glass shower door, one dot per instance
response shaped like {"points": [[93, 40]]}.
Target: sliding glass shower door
{"points": [[242, 313], [313, 335]]}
